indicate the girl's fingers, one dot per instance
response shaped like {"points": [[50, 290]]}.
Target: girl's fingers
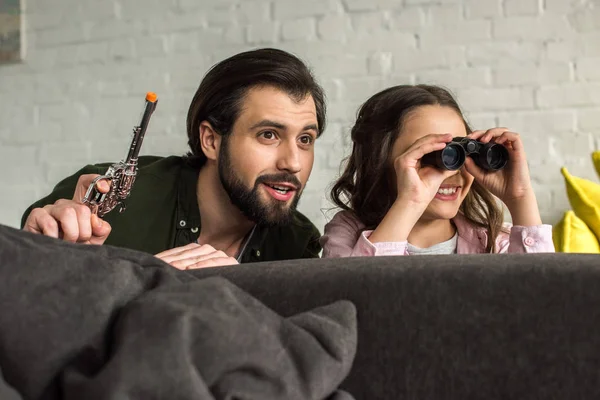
{"points": [[490, 134], [511, 138], [472, 168]]}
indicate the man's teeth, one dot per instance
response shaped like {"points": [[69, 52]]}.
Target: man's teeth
{"points": [[447, 191], [281, 189]]}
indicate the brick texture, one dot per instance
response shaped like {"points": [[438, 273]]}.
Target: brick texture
{"points": [[531, 65]]}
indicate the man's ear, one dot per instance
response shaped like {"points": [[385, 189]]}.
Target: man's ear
{"points": [[210, 140]]}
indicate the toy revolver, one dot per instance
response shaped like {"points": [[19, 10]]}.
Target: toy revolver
{"points": [[121, 175]]}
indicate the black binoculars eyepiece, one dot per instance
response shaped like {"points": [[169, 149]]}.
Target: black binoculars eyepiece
{"points": [[489, 156]]}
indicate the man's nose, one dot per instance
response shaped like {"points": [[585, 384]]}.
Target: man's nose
{"points": [[289, 158]]}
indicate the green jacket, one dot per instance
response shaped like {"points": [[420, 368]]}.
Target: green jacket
{"points": [[162, 213]]}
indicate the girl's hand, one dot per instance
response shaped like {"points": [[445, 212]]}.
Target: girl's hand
{"points": [[512, 184], [416, 184], [416, 187]]}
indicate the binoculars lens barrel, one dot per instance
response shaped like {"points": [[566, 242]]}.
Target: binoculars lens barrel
{"points": [[496, 157]]}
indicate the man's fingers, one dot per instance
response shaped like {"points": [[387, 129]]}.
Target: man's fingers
{"points": [[67, 219], [214, 262], [34, 221], [74, 220], [84, 222], [39, 221], [84, 182], [100, 230], [176, 250], [190, 251], [189, 260], [103, 186]]}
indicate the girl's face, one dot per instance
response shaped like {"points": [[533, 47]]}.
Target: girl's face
{"points": [[426, 120]]}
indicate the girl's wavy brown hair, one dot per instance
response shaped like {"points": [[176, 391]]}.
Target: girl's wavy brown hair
{"points": [[367, 185]]}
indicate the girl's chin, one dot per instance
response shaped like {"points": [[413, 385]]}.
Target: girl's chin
{"points": [[434, 213]]}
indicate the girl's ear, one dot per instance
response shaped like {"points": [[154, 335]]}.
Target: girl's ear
{"points": [[210, 140]]}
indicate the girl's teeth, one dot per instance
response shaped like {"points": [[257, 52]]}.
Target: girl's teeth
{"points": [[447, 191]]}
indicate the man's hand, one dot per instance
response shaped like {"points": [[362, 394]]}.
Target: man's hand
{"points": [[71, 220], [193, 256]]}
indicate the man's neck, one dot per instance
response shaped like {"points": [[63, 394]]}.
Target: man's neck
{"points": [[223, 226], [426, 233]]}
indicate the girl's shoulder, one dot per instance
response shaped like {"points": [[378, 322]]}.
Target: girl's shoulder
{"points": [[346, 218], [503, 237]]}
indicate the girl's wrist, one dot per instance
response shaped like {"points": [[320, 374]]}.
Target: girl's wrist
{"points": [[397, 223], [524, 210]]}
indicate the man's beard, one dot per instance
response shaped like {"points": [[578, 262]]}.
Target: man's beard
{"points": [[249, 201]]}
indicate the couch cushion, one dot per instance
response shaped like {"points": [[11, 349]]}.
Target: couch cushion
{"points": [[596, 161], [584, 196], [572, 235]]}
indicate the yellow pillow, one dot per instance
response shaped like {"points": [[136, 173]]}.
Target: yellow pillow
{"points": [[596, 160], [584, 197], [572, 235]]}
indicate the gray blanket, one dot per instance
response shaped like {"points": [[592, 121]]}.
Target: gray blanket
{"points": [[97, 322]]}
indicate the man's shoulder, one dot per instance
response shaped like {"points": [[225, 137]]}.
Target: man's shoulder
{"points": [[164, 169], [158, 163], [301, 223], [146, 163]]}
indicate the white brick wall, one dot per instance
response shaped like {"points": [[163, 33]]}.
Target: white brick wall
{"points": [[531, 65]]}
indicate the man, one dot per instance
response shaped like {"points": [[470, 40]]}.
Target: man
{"points": [[251, 126]]}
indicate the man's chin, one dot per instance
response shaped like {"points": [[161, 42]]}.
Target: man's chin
{"points": [[280, 215]]}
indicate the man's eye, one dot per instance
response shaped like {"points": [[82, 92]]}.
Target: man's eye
{"points": [[268, 134], [307, 139]]}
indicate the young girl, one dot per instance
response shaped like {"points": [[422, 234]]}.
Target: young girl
{"points": [[393, 205]]}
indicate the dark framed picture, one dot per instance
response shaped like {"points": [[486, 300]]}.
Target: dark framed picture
{"points": [[10, 31]]}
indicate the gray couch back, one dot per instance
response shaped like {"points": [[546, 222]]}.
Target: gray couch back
{"points": [[429, 327], [453, 327]]}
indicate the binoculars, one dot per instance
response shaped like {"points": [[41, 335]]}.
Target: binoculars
{"points": [[489, 156]]}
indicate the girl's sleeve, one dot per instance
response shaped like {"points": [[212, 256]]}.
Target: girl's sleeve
{"points": [[527, 239], [344, 237]]}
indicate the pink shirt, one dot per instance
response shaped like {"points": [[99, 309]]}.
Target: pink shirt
{"points": [[344, 237]]}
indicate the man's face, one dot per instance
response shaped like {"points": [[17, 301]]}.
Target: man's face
{"points": [[266, 161]]}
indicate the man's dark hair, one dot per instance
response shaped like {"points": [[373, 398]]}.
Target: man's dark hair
{"points": [[221, 93]]}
